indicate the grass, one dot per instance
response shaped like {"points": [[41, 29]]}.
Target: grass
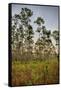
{"points": [[35, 72]]}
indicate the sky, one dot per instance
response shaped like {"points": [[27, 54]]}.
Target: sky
{"points": [[48, 13]]}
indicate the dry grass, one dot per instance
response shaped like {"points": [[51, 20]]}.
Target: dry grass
{"points": [[35, 72]]}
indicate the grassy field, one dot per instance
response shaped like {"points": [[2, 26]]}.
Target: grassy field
{"points": [[35, 72]]}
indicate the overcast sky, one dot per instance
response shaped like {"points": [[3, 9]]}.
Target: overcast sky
{"points": [[48, 13]]}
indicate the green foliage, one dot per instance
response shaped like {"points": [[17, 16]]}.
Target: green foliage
{"points": [[39, 21], [55, 35]]}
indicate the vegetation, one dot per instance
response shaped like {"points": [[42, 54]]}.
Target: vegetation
{"points": [[35, 72], [33, 62]]}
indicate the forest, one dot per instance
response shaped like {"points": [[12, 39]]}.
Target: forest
{"points": [[34, 62]]}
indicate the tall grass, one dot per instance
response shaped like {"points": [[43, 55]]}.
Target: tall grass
{"points": [[35, 72]]}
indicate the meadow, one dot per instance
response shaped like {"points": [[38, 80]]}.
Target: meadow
{"points": [[35, 72]]}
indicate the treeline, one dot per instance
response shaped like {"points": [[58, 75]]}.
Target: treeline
{"points": [[23, 45]]}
